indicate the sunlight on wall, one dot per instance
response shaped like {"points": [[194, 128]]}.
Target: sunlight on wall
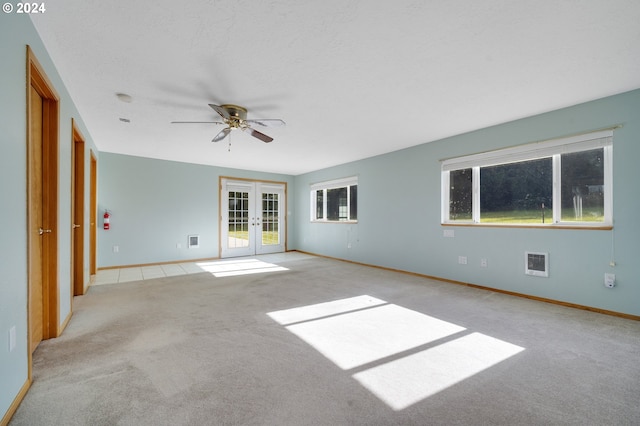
{"points": [[235, 267], [357, 332]]}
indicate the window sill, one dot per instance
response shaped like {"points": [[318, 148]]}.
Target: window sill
{"points": [[582, 226], [349, 222]]}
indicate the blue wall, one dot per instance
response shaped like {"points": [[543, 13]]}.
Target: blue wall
{"points": [[399, 215], [156, 204], [17, 31]]}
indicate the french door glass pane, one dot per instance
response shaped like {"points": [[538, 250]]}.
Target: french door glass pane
{"points": [[238, 219], [270, 219]]}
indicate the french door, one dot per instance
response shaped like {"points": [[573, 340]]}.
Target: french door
{"points": [[252, 218]]}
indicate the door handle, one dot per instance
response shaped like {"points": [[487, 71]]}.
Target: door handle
{"points": [[44, 231], [75, 226]]}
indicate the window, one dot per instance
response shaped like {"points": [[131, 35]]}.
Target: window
{"points": [[335, 201], [559, 182]]}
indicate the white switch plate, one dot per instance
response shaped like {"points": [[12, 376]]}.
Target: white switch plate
{"points": [[462, 260], [12, 338], [483, 263], [449, 233]]}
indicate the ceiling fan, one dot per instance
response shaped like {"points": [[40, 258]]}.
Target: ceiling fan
{"points": [[235, 117]]}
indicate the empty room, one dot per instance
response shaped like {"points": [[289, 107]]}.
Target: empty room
{"points": [[319, 213]]}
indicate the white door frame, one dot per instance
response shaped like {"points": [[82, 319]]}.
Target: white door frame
{"points": [[250, 216]]}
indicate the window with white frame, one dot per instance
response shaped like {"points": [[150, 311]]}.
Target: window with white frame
{"points": [[564, 181], [335, 201]]}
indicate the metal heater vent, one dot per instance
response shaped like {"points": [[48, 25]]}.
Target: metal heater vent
{"points": [[536, 264], [194, 241]]}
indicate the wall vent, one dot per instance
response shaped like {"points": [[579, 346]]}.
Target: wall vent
{"points": [[536, 264], [194, 241]]}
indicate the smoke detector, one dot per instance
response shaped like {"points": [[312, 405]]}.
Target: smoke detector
{"points": [[123, 97]]}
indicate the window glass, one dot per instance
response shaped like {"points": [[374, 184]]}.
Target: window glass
{"points": [[460, 195], [583, 186], [517, 192], [319, 204], [353, 199], [337, 204]]}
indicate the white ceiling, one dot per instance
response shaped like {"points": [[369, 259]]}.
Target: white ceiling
{"points": [[352, 79]]}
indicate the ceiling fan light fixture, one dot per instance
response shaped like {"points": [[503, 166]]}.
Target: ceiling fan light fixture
{"points": [[235, 117]]}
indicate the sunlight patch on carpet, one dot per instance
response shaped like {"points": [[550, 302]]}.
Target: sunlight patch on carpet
{"points": [[320, 310], [358, 331], [230, 268], [367, 335], [403, 382]]}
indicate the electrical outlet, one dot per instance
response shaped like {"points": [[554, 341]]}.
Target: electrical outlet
{"points": [[609, 280], [462, 260], [178, 245], [449, 233], [116, 249], [483, 263]]}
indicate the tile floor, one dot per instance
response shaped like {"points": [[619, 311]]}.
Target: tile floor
{"points": [[121, 275]]}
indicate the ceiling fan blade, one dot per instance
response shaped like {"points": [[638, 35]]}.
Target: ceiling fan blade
{"points": [[268, 122], [261, 136], [197, 122], [223, 112], [223, 134]]}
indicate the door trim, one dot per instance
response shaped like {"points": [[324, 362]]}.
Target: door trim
{"points": [[37, 78], [220, 206]]}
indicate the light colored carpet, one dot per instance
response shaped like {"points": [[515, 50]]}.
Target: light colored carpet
{"points": [[316, 341]]}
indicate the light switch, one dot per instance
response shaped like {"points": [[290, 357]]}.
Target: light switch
{"points": [[12, 338]]}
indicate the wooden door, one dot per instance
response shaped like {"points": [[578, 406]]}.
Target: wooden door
{"points": [[36, 302], [77, 206], [42, 208], [93, 215]]}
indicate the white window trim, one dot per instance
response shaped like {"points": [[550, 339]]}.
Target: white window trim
{"points": [[331, 184], [531, 151], [553, 148]]}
